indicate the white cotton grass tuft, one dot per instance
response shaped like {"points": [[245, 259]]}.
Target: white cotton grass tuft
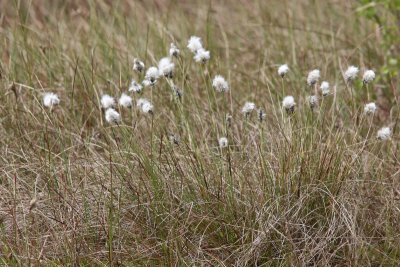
{"points": [[369, 76], [125, 101], [325, 89], [384, 133], [248, 108], [220, 84], [313, 77], [174, 51], [351, 73], [135, 87], [283, 69], [144, 105], [289, 104], [112, 116], [194, 44], [50, 100], [138, 65], [166, 67], [107, 101], [370, 108], [223, 142], [151, 76], [313, 101], [202, 56]]}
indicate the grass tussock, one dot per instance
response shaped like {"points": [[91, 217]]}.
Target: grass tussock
{"points": [[293, 184]]}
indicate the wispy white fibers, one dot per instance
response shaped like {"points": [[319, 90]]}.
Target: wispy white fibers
{"points": [[151, 76], [194, 44], [144, 105], [384, 133], [202, 56], [223, 142], [351, 73], [313, 101], [325, 89], [313, 77], [135, 87], [220, 84], [368, 76], [125, 101], [288, 104], [138, 65], [283, 69], [370, 108], [166, 67], [50, 100], [107, 101], [173, 51], [112, 116], [248, 107]]}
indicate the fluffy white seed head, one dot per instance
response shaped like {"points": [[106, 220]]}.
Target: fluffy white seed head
{"points": [[368, 76], [135, 87], [223, 142], [173, 51], [152, 75], [144, 105], [248, 107], [313, 101], [325, 89], [138, 65], [220, 84], [112, 116], [50, 100], [107, 101], [166, 67], [313, 77], [202, 56], [283, 69], [125, 101], [288, 103], [194, 44], [384, 133], [351, 73], [370, 108]]}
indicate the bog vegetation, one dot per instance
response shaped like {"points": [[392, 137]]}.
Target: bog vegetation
{"points": [[199, 133]]}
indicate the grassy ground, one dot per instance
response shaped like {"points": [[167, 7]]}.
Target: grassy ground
{"points": [[311, 188]]}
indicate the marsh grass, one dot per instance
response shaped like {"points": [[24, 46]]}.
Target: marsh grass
{"points": [[314, 187]]}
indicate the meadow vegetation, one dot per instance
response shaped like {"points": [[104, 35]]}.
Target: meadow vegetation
{"points": [[208, 172]]}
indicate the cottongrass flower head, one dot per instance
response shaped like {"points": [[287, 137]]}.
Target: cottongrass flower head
{"points": [[325, 89], [368, 76], [166, 67], [50, 100], [384, 133], [135, 87], [313, 77], [174, 51], [107, 101], [223, 142], [283, 69], [248, 108], [313, 101], [151, 76], [351, 73], [289, 104], [370, 108], [194, 44], [202, 56], [145, 105], [112, 116], [125, 101], [220, 84], [138, 65]]}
